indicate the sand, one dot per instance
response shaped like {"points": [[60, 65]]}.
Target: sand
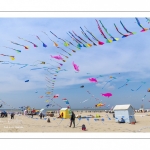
{"points": [[27, 124]]}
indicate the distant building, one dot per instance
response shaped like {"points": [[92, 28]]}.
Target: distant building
{"points": [[124, 111]]}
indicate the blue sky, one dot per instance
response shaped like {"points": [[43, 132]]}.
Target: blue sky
{"points": [[127, 58]]}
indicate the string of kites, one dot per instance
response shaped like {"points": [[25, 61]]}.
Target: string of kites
{"points": [[80, 43]]}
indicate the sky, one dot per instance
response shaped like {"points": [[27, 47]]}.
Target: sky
{"points": [[127, 58]]}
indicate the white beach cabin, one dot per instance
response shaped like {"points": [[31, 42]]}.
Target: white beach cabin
{"points": [[124, 111]]}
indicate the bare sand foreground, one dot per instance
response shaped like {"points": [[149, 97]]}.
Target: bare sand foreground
{"points": [[27, 124]]}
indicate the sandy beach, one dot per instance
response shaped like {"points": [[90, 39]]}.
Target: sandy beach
{"points": [[23, 123]]}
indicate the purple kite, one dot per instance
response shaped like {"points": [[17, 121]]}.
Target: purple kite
{"points": [[93, 80], [107, 94], [75, 66]]}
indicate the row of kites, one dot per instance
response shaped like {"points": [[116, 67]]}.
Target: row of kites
{"points": [[53, 70]]}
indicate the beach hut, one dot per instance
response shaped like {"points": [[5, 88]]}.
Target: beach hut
{"points": [[124, 111], [65, 112]]}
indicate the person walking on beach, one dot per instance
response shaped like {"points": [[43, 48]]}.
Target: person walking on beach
{"points": [[41, 115], [12, 115], [72, 119]]}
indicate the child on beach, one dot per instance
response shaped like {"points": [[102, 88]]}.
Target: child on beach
{"points": [[83, 127]]}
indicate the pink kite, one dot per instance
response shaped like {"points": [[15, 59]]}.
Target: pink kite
{"points": [[56, 96], [93, 79], [75, 66], [107, 94], [57, 57]]}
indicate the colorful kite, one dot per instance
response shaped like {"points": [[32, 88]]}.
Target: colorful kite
{"points": [[107, 40], [19, 51], [99, 42], [148, 90], [55, 44], [66, 101], [70, 43], [107, 95], [26, 47], [56, 96], [78, 46], [65, 43], [99, 105], [11, 57], [87, 36], [131, 33], [124, 35], [78, 41], [138, 22], [28, 41], [64, 50], [87, 44], [114, 39], [44, 45], [75, 66], [48, 105], [68, 48]]}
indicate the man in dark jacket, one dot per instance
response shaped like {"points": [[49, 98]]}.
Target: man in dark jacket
{"points": [[72, 119]]}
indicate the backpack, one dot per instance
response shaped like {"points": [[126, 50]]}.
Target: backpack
{"points": [[83, 127]]}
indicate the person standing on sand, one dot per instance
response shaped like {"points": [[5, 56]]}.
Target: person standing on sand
{"points": [[41, 115], [12, 115], [72, 119]]}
